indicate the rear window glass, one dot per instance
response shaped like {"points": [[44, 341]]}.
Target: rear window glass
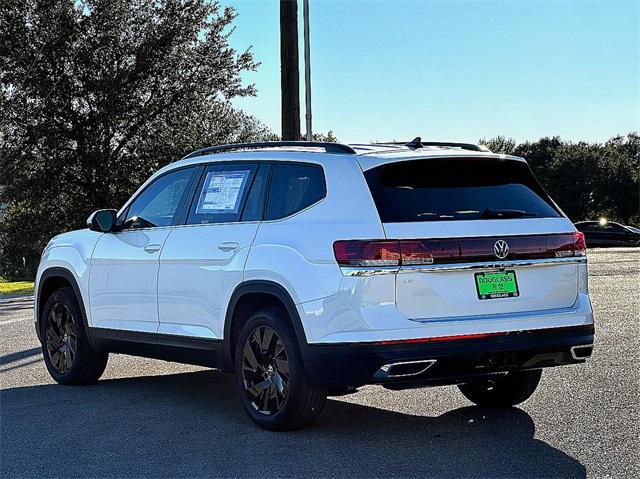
{"points": [[457, 189]]}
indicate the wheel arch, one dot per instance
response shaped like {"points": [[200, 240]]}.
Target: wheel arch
{"points": [[259, 293], [52, 279]]}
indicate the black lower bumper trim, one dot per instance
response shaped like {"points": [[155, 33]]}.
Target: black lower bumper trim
{"points": [[456, 361]]}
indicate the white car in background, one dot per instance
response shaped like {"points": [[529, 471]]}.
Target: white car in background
{"points": [[311, 269]]}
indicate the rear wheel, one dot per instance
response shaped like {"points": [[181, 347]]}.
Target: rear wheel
{"points": [[273, 385], [67, 354], [502, 391]]}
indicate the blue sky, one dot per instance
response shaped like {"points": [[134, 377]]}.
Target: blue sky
{"points": [[455, 70]]}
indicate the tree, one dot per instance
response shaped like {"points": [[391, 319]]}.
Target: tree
{"points": [[540, 155], [619, 177], [587, 180], [96, 95], [500, 144], [327, 137], [572, 178]]}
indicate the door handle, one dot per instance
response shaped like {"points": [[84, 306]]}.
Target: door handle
{"points": [[228, 246], [152, 248]]}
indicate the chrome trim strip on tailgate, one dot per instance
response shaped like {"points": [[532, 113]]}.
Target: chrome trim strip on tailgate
{"points": [[440, 268], [368, 271], [522, 263]]}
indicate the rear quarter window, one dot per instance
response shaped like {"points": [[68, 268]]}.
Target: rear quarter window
{"points": [[294, 187], [449, 189]]}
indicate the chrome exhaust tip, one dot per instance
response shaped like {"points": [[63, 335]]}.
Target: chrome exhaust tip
{"points": [[582, 352], [404, 369]]}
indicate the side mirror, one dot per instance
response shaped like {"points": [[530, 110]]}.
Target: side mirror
{"points": [[102, 221]]}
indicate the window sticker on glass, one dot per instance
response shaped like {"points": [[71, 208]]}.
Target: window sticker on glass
{"points": [[222, 192]]}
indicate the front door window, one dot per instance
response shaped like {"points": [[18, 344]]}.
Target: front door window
{"points": [[158, 205]]}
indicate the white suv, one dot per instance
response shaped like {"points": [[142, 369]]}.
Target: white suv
{"points": [[310, 269]]}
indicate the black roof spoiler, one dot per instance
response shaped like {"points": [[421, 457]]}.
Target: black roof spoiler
{"points": [[418, 143]]}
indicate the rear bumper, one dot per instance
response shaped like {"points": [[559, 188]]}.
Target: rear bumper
{"points": [[439, 361]]}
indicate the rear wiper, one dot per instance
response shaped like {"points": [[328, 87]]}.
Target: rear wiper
{"points": [[491, 213]]}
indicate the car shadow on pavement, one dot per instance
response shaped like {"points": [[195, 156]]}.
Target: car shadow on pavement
{"points": [[192, 425], [13, 357]]}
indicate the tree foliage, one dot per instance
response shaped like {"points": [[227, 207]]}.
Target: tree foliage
{"points": [[328, 137], [95, 95], [587, 180]]}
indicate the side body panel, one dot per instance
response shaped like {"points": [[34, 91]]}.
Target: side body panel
{"points": [[70, 252], [124, 280], [200, 266], [297, 252]]}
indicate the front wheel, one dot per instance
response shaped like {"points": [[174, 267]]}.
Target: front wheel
{"points": [[67, 354], [502, 391], [273, 385]]}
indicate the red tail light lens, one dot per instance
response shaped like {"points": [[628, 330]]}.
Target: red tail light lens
{"points": [[456, 250], [416, 252], [367, 253], [580, 243], [569, 245]]}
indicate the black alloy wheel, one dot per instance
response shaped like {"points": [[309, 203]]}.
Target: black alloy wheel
{"points": [[265, 370], [275, 390], [61, 340], [67, 353]]}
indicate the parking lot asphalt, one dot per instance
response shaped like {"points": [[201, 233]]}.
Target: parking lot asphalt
{"points": [[148, 418]]}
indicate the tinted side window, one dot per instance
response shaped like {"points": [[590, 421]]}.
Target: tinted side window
{"points": [[293, 188], [221, 193], [586, 227], [158, 204], [254, 207]]}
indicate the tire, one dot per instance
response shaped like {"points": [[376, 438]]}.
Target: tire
{"points": [[503, 391], [67, 354], [274, 388]]}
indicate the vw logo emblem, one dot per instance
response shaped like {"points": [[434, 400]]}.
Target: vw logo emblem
{"points": [[501, 249]]}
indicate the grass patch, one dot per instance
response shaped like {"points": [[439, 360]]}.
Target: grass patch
{"points": [[18, 287]]}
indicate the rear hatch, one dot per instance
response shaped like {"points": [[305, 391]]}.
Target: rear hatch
{"points": [[476, 236]]}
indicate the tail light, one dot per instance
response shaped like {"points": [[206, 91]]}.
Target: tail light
{"points": [[415, 252], [377, 253], [391, 252], [367, 253], [580, 243], [570, 245]]}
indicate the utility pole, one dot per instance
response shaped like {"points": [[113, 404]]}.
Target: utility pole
{"points": [[289, 73], [307, 68]]}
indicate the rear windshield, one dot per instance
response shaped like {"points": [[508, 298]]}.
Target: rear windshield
{"points": [[446, 189]]}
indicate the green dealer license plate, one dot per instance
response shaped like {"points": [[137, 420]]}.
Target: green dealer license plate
{"points": [[497, 285]]}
